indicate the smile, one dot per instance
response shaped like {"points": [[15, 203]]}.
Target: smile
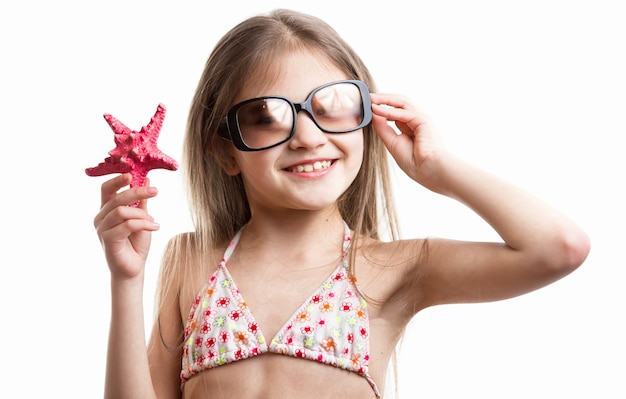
{"points": [[311, 167]]}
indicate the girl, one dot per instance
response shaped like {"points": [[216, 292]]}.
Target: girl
{"points": [[286, 287]]}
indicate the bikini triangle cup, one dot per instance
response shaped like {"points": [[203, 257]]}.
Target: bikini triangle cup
{"points": [[331, 326]]}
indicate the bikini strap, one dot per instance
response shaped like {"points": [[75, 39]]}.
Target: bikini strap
{"points": [[231, 247], [347, 240]]}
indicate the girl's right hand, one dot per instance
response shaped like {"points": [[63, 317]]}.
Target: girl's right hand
{"points": [[125, 231], [417, 149]]}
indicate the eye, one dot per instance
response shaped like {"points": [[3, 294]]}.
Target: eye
{"points": [[263, 116], [337, 101], [319, 110], [268, 114], [257, 114]]}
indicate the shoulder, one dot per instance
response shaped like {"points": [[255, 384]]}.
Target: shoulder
{"points": [[185, 268], [392, 272], [185, 253]]}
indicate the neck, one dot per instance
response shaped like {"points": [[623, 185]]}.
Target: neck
{"points": [[295, 235], [296, 222]]}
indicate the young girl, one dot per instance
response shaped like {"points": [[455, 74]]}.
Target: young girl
{"points": [[287, 287]]}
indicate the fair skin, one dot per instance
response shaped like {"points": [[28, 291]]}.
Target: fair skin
{"points": [[295, 215]]}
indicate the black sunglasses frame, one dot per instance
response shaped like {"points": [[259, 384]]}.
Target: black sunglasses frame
{"points": [[229, 128]]}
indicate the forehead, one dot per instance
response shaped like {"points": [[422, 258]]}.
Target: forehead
{"points": [[293, 75]]}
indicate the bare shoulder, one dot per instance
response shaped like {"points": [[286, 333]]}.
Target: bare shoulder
{"points": [[185, 268], [392, 272]]}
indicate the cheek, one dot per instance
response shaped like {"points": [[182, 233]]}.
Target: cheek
{"points": [[254, 163], [351, 145], [354, 147]]}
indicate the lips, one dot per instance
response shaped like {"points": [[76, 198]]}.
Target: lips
{"points": [[310, 167]]}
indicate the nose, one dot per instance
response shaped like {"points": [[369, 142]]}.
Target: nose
{"points": [[307, 134]]}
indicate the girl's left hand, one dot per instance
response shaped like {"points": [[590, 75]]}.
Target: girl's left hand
{"points": [[416, 149]]}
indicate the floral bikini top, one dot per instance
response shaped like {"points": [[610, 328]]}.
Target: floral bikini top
{"points": [[331, 326]]}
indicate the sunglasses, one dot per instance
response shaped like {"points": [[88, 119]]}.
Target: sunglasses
{"points": [[265, 122]]}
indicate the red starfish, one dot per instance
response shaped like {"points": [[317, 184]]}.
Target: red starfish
{"points": [[135, 152]]}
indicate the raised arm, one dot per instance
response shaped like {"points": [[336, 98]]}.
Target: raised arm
{"points": [[125, 234], [540, 244]]}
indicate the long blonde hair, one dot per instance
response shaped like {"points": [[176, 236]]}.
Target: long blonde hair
{"points": [[218, 202]]}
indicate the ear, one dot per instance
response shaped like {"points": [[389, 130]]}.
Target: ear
{"points": [[232, 169], [229, 164]]}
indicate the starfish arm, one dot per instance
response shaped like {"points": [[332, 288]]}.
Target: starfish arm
{"points": [[118, 127], [162, 161], [107, 167], [152, 130]]}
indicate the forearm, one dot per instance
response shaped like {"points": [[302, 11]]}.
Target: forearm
{"points": [[127, 372]]}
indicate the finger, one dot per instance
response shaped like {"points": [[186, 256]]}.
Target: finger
{"points": [[400, 146], [404, 121], [403, 117], [143, 203], [137, 195], [132, 196], [398, 109], [391, 100], [121, 231], [124, 221], [110, 187], [387, 133]]}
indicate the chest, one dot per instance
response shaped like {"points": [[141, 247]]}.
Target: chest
{"points": [[307, 299], [330, 324]]}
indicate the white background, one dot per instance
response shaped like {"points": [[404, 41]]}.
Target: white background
{"points": [[531, 90]]}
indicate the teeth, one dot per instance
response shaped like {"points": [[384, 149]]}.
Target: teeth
{"points": [[319, 165]]}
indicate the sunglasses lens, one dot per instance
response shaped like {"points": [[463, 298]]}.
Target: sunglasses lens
{"points": [[338, 108], [265, 122]]}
